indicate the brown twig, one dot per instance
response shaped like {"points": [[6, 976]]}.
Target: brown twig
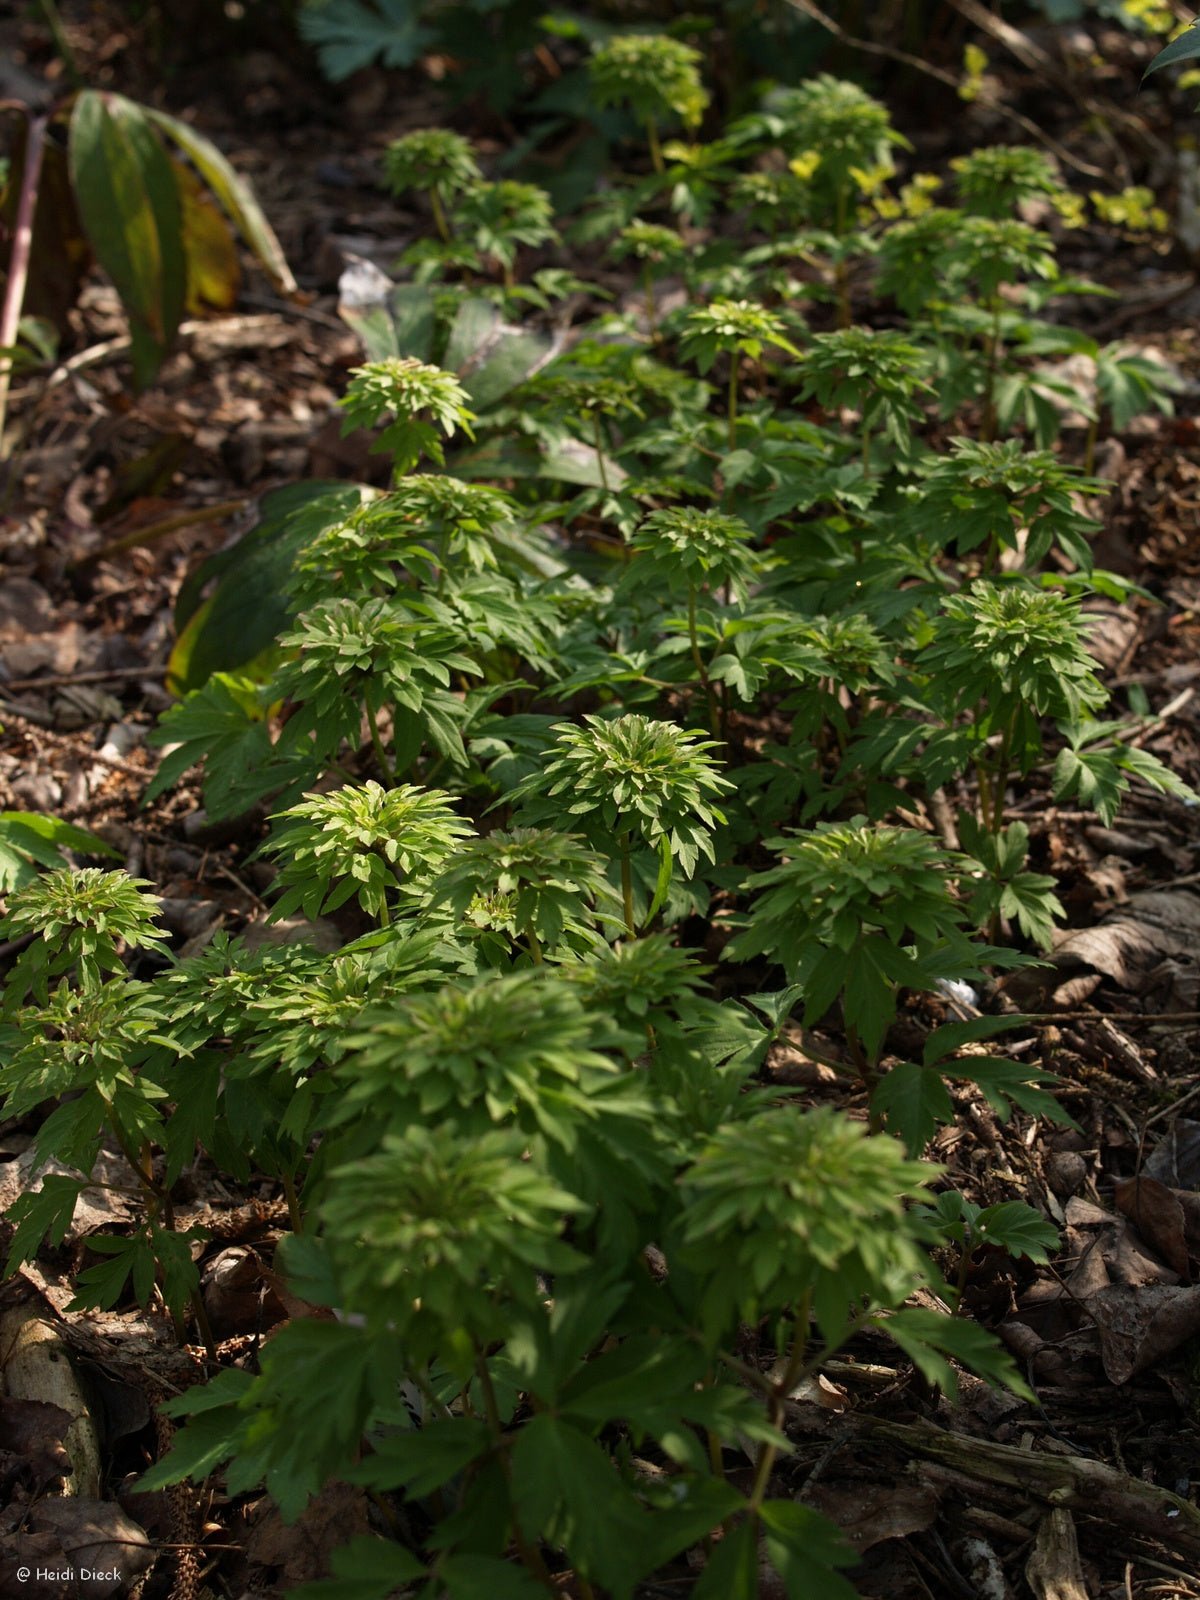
{"points": [[890, 53], [18, 260], [159, 530], [64, 680]]}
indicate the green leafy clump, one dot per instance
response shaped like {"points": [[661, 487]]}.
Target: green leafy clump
{"points": [[424, 403], [655, 76], [632, 780], [435, 160], [576, 1245], [360, 843]]}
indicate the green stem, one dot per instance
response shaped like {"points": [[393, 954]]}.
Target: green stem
{"points": [[292, 1196], [439, 215], [534, 947], [385, 766], [778, 1403], [701, 669], [988, 428], [61, 43], [732, 405], [531, 1556], [866, 448], [598, 436], [656, 155], [627, 885]]}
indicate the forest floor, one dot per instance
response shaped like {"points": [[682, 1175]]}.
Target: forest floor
{"points": [[111, 498]]}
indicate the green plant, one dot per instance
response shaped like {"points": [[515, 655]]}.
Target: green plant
{"points": [[880, 374], [422, 401], [655, 76], [858, 912], [96, 176], [660, 250], [364, 843], [629, 781], [993, 182], [545, 888], [1010, 655], [500, 218], [440, 163], [574, 1240], [735, 328]]}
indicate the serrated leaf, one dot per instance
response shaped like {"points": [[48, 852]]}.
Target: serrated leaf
{"points": [[426, 1458], [366, 1568], [928, 1338], [944, 1041], [731, 1572], [1017, 1228], [44, 1213], [806, 1550], [352, 34], [913, 1100]]}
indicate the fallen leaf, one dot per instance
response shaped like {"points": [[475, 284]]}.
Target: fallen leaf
{"points": [[1140, 1326], [1158, 1217]]}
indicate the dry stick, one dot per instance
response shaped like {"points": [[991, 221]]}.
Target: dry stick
{"points": [[1036, 60], [18, 261], [64, 680], [1076, 1483], [869, 47], [159, 530]]}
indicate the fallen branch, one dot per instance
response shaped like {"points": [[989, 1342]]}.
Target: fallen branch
{"points": [[1071, 1483]]}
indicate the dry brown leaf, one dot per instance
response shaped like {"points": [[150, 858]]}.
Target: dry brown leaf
{"points": [[869, 1513], [1140, 1326], [1158, 1217]]}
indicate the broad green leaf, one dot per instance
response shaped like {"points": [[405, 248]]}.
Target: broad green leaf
{"points": [[129, 204], [391, 319], [566, 461], [944, 1041], [249, 606], [731, 1572], [806, 1550], [1185, 48], [469, 1577], [234, 194], [27, 837], [492, 356]]}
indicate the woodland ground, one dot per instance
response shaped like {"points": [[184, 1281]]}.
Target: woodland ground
{"points": [[111, 498]]}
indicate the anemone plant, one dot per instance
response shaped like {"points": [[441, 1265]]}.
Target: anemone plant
{"points": [[437, 161], [630, 780], [362, 842], [655, 76], [424, 403]]}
